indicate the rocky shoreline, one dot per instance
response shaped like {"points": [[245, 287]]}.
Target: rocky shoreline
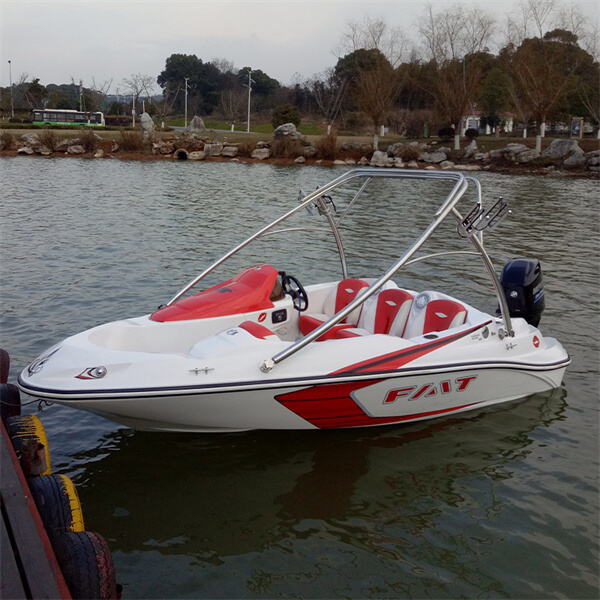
{"points": [[563, 157]]}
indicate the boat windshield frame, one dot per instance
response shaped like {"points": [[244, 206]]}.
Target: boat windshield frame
{"points": [[318, 198]]}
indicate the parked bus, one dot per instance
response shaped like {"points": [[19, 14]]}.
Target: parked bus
{"points": [[59, 116]]}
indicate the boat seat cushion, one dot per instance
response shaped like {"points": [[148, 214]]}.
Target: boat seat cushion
{"points": [[339, 297], [386, 312], [256, 329], [430, 314]]}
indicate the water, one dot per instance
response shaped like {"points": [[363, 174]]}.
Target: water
{"points": [[497, 503]]}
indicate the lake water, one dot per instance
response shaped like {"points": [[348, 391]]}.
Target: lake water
{"points": [[497, 503]]}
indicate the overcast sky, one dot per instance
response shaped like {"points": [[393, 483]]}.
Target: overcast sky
{"points": [[57, 40]]}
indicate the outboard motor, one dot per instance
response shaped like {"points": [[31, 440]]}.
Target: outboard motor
{"points": [[524, 289]]}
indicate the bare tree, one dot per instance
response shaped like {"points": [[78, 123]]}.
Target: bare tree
{"points": [[233, 102], [452, 37], [374, 34], [376, 90], [139, 85], [329, 94], [223, 65]]}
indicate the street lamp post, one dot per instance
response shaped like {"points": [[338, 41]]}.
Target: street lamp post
{"points": [[186, 93], [12, 105], [249, 86]]}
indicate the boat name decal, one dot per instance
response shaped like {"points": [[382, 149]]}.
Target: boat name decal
{"points": [[414, 392]]}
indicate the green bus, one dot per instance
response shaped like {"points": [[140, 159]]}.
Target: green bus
{"points": [[59, 116]]}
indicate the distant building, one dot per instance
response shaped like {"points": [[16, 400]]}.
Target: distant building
{"points": [[475, 119]]}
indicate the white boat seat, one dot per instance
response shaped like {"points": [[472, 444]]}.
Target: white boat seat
{"points": [[429, 314], [386, 312]]}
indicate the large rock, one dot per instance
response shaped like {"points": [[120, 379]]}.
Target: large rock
{"points": [[286, 130], [395, 149], [593, 159], [446, 165], [309, 151], [147, 124], [300, 160], [561, 149], [213, 149], [197, 124], [229, 151], [576, 159], [162, 147], [25, 150], [261, 153], [471, 150], [76, 149], [31, 140], [526, 156], [197, 155], [379, 159], [433, 157]]}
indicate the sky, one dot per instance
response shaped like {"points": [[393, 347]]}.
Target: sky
{"points": [[103, 40]]}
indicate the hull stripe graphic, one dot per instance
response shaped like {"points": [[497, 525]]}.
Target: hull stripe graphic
{"points": [[397, 359], [330, 406]]}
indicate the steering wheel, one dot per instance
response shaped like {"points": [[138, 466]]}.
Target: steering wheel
{"points": [[294, 288]]}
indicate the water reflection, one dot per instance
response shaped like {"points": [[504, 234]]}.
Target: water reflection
{"points": [[217, 496]]}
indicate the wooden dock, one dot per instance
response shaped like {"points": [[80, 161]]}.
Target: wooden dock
{"points": [[29, 566]]}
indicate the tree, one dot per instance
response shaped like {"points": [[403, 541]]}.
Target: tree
{"points": [[35, 94], [544, 74], [456, 41], [285, 113], [374, 34], [138, 85], [328, 93], [204, 81], [494, 96], [376, 89]]}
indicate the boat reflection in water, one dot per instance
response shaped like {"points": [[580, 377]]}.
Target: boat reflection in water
{"points": [[220, 496]]}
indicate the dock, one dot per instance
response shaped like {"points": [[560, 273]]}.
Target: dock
{"points": [[29, 566]]}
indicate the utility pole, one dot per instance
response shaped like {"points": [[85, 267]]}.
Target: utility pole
{"points": [[12, 104], [249, 86], [80, 96], [133, 109], [186, 92]]}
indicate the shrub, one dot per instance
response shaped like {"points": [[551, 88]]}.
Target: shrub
{"points": [[471, 133], [49, 139], [285, 113], [89, 140], [286, 147], [131, 141], [6, 140], [409, 153], [327, 146], [356, 122], [446, 133]]}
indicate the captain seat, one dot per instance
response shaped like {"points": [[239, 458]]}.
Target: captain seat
{"points": [[430, 315], [339, 297]]}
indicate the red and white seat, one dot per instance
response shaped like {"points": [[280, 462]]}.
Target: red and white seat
{"points": [[339, 297], [386, 312], [432, 312]]}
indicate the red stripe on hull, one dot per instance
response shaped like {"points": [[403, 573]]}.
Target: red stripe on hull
{"points": [[395, 360], [330, 406]]}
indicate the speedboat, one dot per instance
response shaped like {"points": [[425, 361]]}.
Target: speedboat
{"points": [[262, 350]]}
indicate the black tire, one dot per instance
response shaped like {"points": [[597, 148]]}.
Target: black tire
{"points": [[29, 440], [10, 401], [86, 563], [58, 504], [4, 365]]}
